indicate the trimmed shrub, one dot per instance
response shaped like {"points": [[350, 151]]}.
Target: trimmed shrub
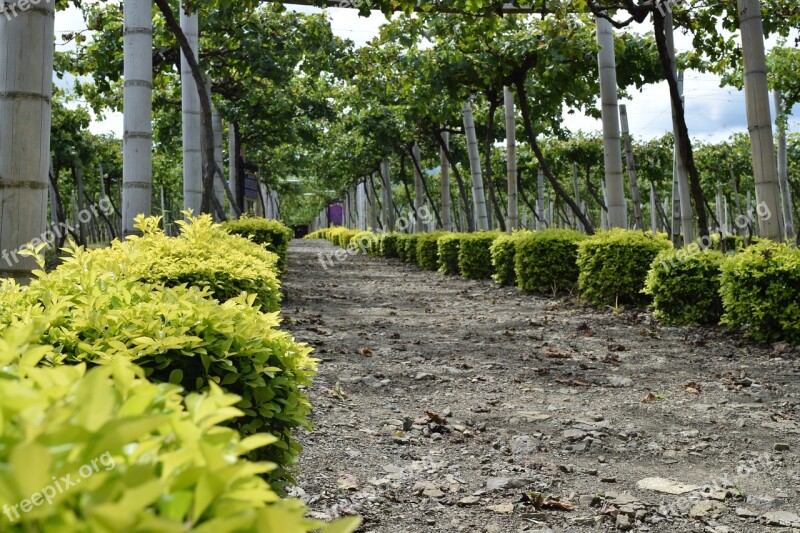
{"points": [[614, 265], [474, 255], [448, 246], [204, 255], [334, 235], [271, 234], [180, 335], [346, 237], [546, 260], [390, 245], [428, 250], [407, 249], [733, 243], [107, 450], [319, 234], [502, 251], [760, 290], [685, 284], [375, 245], [362, 241]]}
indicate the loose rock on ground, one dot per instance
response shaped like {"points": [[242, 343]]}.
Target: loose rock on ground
{"points": [[450, 405]]}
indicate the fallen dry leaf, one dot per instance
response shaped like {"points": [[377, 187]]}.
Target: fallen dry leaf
{"points": [[539, 501], [650, 398], [436, 418], [555, 354], [692, 388], [366, 352]]}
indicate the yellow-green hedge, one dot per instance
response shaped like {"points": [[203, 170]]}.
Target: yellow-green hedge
{"points": [[272, 234], [614, 265]]}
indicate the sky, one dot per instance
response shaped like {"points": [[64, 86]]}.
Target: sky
{"points": [[712, 113]]}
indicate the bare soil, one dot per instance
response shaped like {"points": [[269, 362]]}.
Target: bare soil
{"points": [[444, 404]]}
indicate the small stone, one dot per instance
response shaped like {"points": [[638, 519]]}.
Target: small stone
{"points": [[782, 518], [574, 434], [497, 483], [608, 479], [707, 508], [447, 412], [765, 502], [619, 381], [624, 522], [720, 495], [781, 447], [347, 482], [522, 445], [433, 493], [503, 508], [744, 512], [665, 486], [436, 436], [586, 500], [422, 376], [469, 500], [530, 416]]}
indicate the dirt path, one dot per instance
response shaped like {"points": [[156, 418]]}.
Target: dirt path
{"points": [[541, 395]]}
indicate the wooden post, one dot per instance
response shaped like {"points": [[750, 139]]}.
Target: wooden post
{"points": [[478, 196], [192, 120], [26, 72], [653, 210], [759, 119], [164, 222], [444, 184], [419, 193], [388, 207], [612, 146], [511, 158], [219, 161], [77, 173], [634, 184], [540, 221], [783, 166], [137, 142]]}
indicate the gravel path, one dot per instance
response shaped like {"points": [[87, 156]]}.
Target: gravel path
{"points": [[451, 405]]}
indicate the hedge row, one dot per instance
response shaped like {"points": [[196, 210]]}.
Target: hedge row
{"points": [[271, 234], [182, 404], [755, 288]]}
